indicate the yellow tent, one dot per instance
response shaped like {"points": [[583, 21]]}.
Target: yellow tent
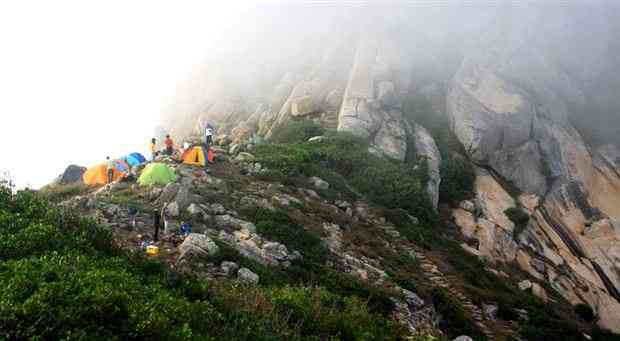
{"points": [[194, 156]]}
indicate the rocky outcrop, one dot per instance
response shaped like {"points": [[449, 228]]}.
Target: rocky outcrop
{"points": [[73, 174], [197, 245], [427, 151], [510, 111]]}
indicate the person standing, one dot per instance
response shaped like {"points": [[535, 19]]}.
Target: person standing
{"points": [[209, 130], [153, 148], [169, 145], [110, 169], [156, 224]]}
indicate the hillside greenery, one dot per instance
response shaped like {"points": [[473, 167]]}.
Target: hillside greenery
{"points": [[62, 277], [341, 156]]}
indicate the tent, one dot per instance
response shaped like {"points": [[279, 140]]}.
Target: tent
{"points": [[134, 159], [122, 166], [157, 173], [196, 155], [98, 175], [138, 156]]}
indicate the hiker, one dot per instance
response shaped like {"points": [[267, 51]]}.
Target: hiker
{"points": [[110, 167], [164, 217], [156, 223], [169, 145], [153, 149], [209, 134], [133, 213]]}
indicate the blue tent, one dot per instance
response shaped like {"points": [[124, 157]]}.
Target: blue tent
{"points": [[138, 156], [134, 159]]}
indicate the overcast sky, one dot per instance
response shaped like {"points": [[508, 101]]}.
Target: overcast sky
{"points": [[82, 79]]}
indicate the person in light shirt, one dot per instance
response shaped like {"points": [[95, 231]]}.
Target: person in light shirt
{"points": [[209, 130]]}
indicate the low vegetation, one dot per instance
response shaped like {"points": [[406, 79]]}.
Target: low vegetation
{"points": [[342, 156], [62, 277], [519, 217]]}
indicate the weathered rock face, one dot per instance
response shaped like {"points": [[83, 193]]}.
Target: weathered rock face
{"points": [[72, 174], [426, 149], [516, 97], [510, 109]]}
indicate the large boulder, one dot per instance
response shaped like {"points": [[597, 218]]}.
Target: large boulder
{"points": [[197, 245], [245, 275], [427, 151], [72, 174]]}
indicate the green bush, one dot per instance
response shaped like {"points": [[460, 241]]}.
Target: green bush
{"points": [[457, 179], [387, 182], [59, 193], [296, 131], [585, 312], [519, 217], [454, 320], [319, 312]]}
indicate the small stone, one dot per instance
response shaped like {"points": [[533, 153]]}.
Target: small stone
{"points": [[319, 183], [229, 268], [538, 265], [525, 285], [539, 291], [463, 338], [194, 210], [173, 209], [342, 204], [490, 310], [216, 209], [244, 157], [468, 206], [234, 149], [317, 139], [245, 275]]}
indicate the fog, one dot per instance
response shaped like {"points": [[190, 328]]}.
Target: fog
{"points": [[80, 80], [570, 46]]}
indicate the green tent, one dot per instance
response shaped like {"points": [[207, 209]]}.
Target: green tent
{"points": [[156, 174]]}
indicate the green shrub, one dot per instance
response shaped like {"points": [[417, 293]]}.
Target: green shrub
{"points": [[454, 320], [59, 193], [457, 179], [296, 131], [318, 312], [390, 183], [585, 312], [519, 217]]}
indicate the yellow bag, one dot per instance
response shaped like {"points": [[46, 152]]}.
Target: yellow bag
{"points": [[152, 250]]}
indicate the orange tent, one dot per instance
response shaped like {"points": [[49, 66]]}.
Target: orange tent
{"points": [[98, 175], [195, 155]]}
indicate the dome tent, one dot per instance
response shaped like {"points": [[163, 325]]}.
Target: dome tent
{"points": [[98, 175], [157, 174], [197, 156], [122, 166], [134, 159]]}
